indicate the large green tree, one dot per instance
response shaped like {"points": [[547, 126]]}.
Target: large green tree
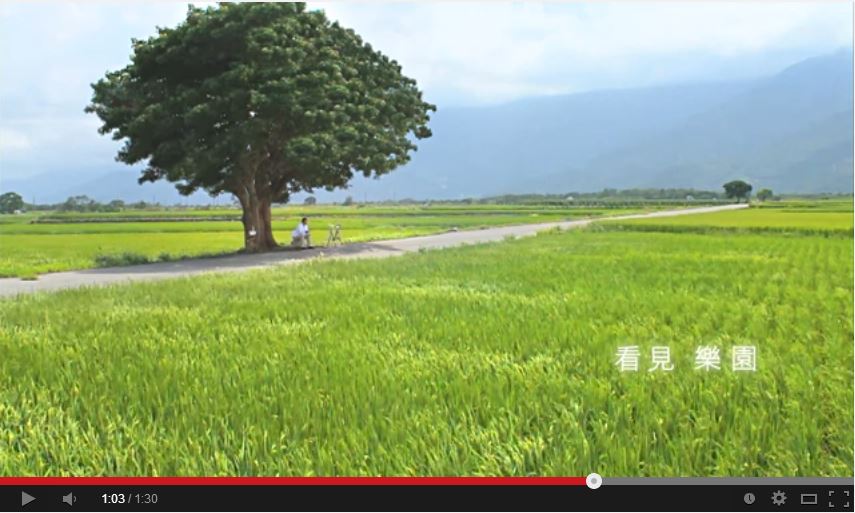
{"points": [[10, 202], [260, 100], [737, 189]]}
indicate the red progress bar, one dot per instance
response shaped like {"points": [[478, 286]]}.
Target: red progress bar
{"points": [[299, 481]]}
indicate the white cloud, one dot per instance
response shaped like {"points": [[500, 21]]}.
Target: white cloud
{"points": [[55, 50], [12, 141], [491, 51], [460, 53]]}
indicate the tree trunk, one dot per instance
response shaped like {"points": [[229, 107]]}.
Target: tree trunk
{"points": [[257, 229], [269, 241]]}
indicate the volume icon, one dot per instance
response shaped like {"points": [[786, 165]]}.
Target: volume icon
{"points": [[69, 499]]}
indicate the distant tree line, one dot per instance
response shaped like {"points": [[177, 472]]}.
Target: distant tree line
{"points": [[83, 203], [606, 194], [11, 202]]}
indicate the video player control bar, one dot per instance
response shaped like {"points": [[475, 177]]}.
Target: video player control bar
{"points": [[591, 493]]}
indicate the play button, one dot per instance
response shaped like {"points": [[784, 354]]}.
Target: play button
{"points": [[26, 498]]}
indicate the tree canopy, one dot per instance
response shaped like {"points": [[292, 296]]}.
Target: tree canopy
{"points": [[261, 100], [10, 202], [765, 194], [737, 189]]}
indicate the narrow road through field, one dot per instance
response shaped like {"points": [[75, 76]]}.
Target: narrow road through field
{"points": [[231, 263]]}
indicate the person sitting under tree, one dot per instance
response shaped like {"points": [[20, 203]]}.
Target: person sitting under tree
{"points": [[300, 237]]}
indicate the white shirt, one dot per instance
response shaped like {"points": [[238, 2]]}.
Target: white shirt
{"points": [[301, 230]]}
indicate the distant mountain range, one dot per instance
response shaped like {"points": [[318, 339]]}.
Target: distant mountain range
{"points": [[791, 132]]}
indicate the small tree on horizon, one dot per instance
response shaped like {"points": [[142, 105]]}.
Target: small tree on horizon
{"points": [[737, 189], [765, 194], [310, 200]]}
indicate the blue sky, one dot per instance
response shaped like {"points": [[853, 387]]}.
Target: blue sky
{"points": [[460, 53]]}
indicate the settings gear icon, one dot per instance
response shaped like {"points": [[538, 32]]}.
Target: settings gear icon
{"points": [[779, 498]]}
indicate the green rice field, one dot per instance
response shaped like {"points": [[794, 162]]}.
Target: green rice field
{"points": [[37, 244], [495, 359], [832, 219]]}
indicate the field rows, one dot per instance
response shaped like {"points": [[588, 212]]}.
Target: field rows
{"points": [[489, 360], [759, 218], [27, 250]]}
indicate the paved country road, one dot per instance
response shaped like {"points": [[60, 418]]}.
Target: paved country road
{"points": [[232, 263]]}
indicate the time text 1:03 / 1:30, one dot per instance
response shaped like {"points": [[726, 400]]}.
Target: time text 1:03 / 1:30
{"points": [[129, 498]]}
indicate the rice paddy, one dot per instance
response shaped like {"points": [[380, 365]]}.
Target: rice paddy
{"points": [[834, 219], [35, 244], [496, 359]]}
